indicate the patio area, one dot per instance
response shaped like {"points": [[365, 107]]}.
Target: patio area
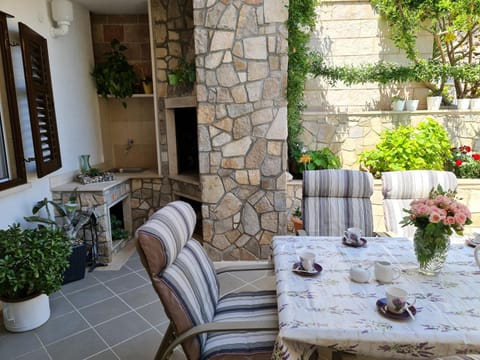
{"points": [[109, 315]]}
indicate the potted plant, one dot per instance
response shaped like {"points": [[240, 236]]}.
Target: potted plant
{"points": [[147, 85], [69, 220], [434, 99], [184, 74], [115, 77], [318, 160], [398, 103], [297, 219], [411, 104], [32, 265]]}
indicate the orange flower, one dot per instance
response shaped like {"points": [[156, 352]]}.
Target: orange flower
{"points": [[305, 159]]}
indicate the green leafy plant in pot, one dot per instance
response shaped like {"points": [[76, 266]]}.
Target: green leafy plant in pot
{"points": [[32, 265], [115, 77]]}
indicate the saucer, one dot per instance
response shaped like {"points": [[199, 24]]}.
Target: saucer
{"points": [[382, 308], [298, 269], [363, 242]]}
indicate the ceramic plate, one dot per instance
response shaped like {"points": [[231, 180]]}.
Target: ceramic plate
{"points": [[382, 308], [363, 242], [298, 269]]}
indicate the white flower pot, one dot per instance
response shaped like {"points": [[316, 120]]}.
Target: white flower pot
{"points": [[475, 104], [398, 105], [434, 102], [463, 104], [411, 105], [26, 315]]}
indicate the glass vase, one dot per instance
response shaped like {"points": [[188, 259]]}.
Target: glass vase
{"points": [[84, 163], [431, 251]]}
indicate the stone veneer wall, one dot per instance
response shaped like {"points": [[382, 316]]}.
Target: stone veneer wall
{"points": [[241, 59], [349, 134]]}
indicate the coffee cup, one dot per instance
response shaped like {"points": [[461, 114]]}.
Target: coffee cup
{"points": [[308, 260], [359, 274], [353, 235], [398, 299], [385, 272]]}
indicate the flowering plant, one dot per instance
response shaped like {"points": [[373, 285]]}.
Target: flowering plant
{"points": [[438, 214], [319, 159], [465, 163]]}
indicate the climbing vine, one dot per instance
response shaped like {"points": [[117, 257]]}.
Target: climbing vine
{"points": [[301, 21]]}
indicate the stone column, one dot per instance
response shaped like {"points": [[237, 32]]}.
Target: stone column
{"points": [[241, 59]]}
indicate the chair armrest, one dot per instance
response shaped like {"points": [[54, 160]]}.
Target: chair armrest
{"points": [[252, 267], [230, 326]]}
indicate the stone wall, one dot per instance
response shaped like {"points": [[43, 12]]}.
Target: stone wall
{"points": [[351, 32], [349, 134], [241, 59]]}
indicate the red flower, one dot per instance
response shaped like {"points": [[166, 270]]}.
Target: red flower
{"points": [[467, 148], [476, 157], [458, 162]]}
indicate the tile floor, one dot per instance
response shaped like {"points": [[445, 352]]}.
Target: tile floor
{"points": [[108, 315]]}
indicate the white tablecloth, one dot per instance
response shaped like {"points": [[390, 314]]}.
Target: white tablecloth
{"points": [[332, 311]]}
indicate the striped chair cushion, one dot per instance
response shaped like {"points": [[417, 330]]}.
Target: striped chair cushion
{"points": [[172, 226], [460, 357], [261, 306], [334, 200], [189, 292], [399, 188]]}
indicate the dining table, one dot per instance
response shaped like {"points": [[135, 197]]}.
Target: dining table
{"points": [[326, 309]]}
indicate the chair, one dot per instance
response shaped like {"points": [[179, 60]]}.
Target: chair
{"points": [[235, 326], [334, 200], [399, 188]]}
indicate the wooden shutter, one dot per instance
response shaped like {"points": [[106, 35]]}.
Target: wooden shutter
{"points": [[40, 101]]}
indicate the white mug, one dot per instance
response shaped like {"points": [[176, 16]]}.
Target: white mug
{"points": [[353, 235], [359, 274], [398, 299], [477, 255], [385, 272], [308, 260]]}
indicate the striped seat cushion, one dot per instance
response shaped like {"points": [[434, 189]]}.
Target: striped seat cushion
{"points": [[163, 236], [399, 188], [189, 292], [245, 306], [334, 200]]}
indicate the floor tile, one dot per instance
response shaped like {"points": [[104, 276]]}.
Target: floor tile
{"points": [[60, 327], [15, 344], [153, 313], [106, 275], [86, 282], [91, 295], [40, 354], [125, 283], [122, 328], [105, 355], [104, 310], [60, 306], [141, 347], [140, 296], [134, 263], [78, 346]]}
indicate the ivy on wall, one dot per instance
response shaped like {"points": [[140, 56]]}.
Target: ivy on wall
{"points": [[301, 21]]}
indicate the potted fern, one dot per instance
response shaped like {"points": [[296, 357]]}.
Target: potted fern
{"points": [[32, 264]]}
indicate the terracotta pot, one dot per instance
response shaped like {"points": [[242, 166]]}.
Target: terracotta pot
{"points": [[297, 223]]}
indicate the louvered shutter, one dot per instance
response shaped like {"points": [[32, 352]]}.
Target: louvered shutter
{"points": [[40, 101]]}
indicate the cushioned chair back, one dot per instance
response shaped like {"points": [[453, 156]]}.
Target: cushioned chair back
{"points": [[399, 188], [181, 272], [334, 200]]}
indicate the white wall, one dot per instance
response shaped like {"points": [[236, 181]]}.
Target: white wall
{"points": [[76, 102]]}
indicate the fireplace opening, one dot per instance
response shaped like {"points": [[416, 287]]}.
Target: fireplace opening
{"points": [[186, 140], [197, 207], [118, 225]]}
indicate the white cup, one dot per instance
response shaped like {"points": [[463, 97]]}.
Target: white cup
{"points": [[385, 272], [353, 235], [307, 259], [398, 299], [359, 274]]}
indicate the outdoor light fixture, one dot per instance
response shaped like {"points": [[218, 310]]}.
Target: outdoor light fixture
{"points": [[62, 14]]}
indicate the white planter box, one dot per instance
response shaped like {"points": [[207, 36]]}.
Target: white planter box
{"points": [[463, 104], [475, 104]]}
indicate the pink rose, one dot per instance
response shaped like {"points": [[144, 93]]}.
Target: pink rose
{"points": [[460, 218], [435, 217]]}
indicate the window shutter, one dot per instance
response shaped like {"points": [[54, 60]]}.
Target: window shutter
{"points": [[40, 101]]}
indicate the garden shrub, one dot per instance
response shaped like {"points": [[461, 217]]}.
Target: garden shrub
{"points": [[465, 163], [408, 148], [318, 160]]}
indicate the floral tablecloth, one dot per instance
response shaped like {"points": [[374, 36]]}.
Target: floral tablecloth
{"points": [[332, 311]]}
